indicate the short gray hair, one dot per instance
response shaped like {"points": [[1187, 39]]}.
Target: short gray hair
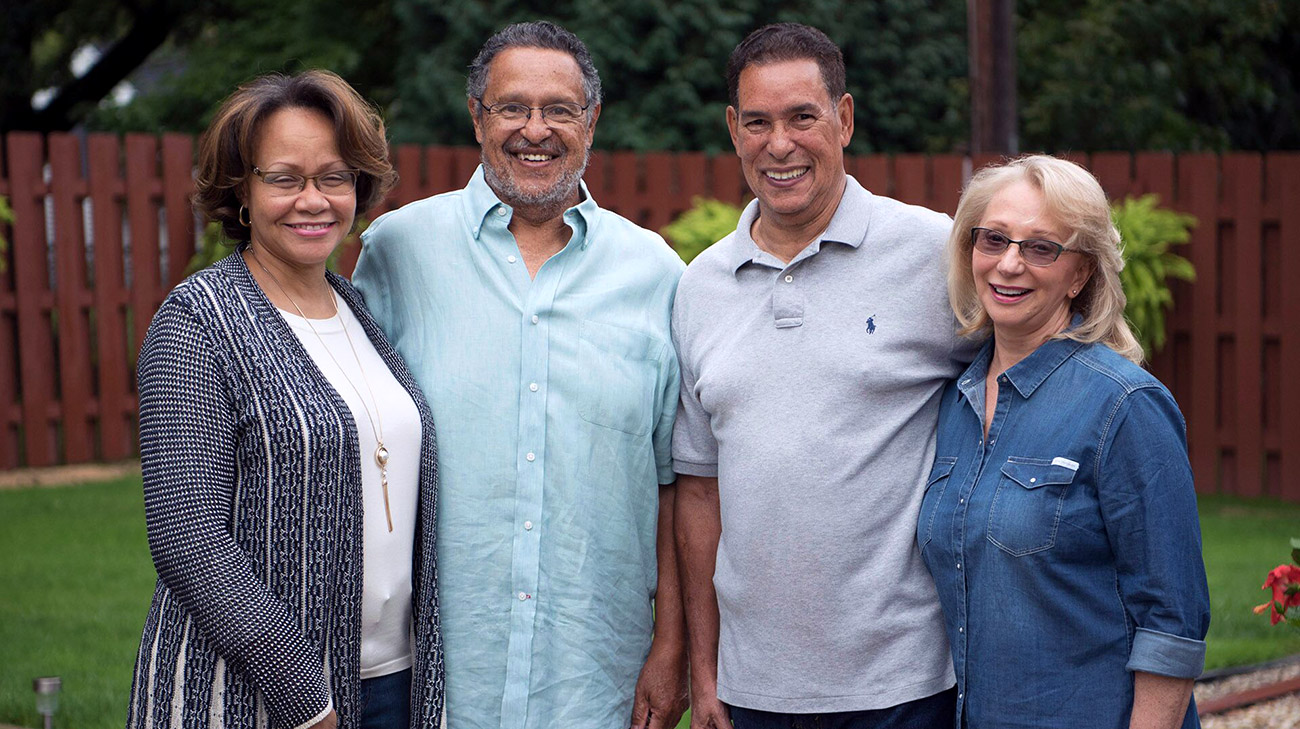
{"points": [[534, 34]]}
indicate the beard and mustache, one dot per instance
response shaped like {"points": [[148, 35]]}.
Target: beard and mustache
{"points": [[557, 196]]}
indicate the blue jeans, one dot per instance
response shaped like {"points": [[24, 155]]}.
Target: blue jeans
{"points": [[386, 701], [931, 712]]}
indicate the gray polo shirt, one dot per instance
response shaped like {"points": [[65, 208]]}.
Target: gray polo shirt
{"points": [[811, 390]]}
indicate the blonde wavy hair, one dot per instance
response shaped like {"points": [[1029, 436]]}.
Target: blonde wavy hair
{"points": [[1075, 199]]}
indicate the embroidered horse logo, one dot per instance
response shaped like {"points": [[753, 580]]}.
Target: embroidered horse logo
{"points": [[871, 324]]}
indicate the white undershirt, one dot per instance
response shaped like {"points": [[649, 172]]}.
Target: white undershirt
{"points": [[386, 582]]}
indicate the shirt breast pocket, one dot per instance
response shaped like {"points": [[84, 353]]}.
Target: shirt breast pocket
{"points": [[1026, 509], [620, 370]]}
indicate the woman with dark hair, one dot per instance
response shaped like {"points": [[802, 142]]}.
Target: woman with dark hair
{"points": [[1059, 521], [288, 456]]}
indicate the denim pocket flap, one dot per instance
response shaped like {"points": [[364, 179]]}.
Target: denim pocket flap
{"points": [[942, 468], [1033, 473]]}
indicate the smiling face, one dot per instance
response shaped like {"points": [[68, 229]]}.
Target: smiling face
{"points": [[534, 164], [300, 229], [1026, 303], [790, 137]]}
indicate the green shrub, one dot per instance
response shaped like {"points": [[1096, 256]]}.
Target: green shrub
{"points": [[707, 222], [1149, 232]]}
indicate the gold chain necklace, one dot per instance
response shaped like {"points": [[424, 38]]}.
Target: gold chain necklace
{"points": [[381, 452]]}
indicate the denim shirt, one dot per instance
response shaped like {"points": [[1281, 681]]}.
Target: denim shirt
{"points": [[1065, 547]]}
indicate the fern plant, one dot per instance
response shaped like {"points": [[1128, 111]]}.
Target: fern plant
{"points": [[1149, 233]]}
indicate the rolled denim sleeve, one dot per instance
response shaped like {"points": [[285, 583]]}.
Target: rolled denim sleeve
{"points": [[1148, 502]]}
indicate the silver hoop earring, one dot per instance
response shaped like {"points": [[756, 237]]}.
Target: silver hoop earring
{"points": [[243, 213]]}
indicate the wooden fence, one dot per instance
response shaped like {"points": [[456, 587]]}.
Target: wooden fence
{"points": [[103, 229]]}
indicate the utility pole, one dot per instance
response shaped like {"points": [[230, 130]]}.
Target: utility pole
{"points": [[992, 42]]}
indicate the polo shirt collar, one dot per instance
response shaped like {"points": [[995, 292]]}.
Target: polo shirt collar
{"points": [[848, 226], [1027, 374], [481, 201]]}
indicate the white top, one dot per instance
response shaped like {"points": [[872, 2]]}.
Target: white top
{"points": [[386, 588]]}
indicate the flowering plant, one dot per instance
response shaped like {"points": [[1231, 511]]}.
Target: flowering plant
{"points": [[1284, 581]]}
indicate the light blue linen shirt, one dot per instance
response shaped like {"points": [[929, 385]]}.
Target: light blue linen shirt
{"points": [[554, 400]]}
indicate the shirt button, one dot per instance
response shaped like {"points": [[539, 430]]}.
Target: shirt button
{"points": [[511, 259], [961, 630], [961, 696], [961, 501], [523, 596], [532, 386], [959, 565], [501, 212], [528, 526], [1033, 480], [789, 278], [1002, 379], [531, 457], [535, 319]]}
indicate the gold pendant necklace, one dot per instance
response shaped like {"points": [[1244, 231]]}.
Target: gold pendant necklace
{"points": [[381, 452]]}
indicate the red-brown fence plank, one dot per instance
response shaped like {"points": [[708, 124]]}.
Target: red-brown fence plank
{"points": [[142, 216], [10, 413], [909, 178], [1198, 186], [728, 183], [177, 166], [1284, 181], [31, 286], [661, 195], [1242, 180], [1114, 171], [70, 292], [948, 173], [117, 439]]}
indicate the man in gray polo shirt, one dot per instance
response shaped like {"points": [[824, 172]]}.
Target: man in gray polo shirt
{"points": [[814, 343]]}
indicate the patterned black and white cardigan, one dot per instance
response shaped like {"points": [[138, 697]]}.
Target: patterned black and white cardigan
{"points": [[252, 482]]}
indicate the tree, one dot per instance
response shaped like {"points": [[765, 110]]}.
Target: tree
{"points": [[39, 38], [662, 64], [1177, 74]]}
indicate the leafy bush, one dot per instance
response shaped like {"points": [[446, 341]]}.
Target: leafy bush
{"points": [[1148, 232], [707, 222]]}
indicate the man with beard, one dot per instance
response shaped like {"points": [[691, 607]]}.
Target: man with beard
{"points": [[538, 326]]}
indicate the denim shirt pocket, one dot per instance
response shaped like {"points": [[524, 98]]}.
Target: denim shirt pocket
{"points": [[935, 485], [1026, 508], [620, 367]]}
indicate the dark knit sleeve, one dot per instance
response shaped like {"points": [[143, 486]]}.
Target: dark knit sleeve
{"points": [[188, 457]]}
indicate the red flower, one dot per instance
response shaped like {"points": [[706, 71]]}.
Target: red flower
{"points": [[1284, 581]]}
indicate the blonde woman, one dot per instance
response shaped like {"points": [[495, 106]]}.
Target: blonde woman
{"points": [[1059, 521]]}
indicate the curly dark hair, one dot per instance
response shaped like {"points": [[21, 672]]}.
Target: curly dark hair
{"points": [[226, 147]]}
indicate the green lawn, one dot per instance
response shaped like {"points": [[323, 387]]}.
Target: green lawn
{"points": [[75, 581]]}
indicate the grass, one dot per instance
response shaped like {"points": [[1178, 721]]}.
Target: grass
{"points": [[75, 582], [1242, 541]]}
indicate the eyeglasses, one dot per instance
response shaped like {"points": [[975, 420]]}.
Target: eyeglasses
{"points": [[334, 182], [561, 112], [1035, 251]]}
